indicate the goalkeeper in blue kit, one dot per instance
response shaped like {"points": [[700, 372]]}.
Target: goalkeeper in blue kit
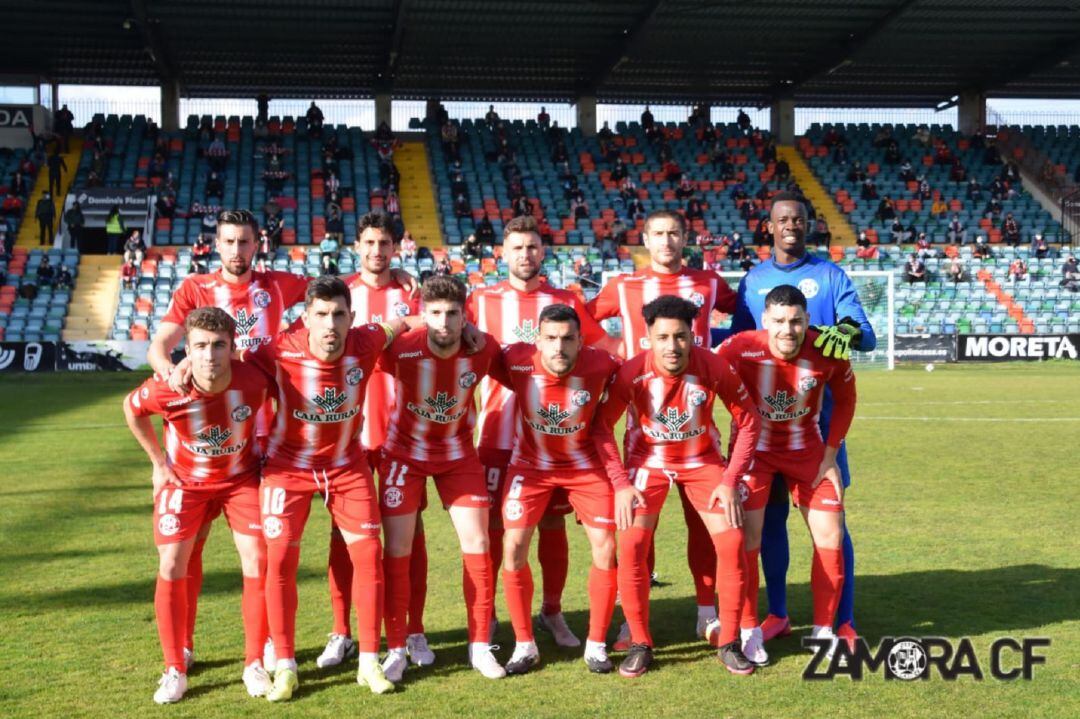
{"points": [[835, 310]]}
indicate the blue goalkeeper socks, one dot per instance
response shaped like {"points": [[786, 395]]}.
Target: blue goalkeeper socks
{"points": [[775, 555], [845, 611]]}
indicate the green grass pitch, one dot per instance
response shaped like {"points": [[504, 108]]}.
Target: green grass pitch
{"points": [[963, 512]]}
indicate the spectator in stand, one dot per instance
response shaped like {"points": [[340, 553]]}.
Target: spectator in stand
{"points": [[922, 136], [443, 268], [993, 209], [543, 119], [56, 165], [408, 246], [585, 271], [64, 125], [45, 272], [329, 247], [449, 136], [522, 206], [685, 189], [866, 249], [135, 248], [885, 210], [882, 137], [579, 208], [129, 274], [315, 120], [694, 210], [982, 248], [492, 117], [332, 184], [328, 265], [957, 173], [485, 232], [208, 224], [974, 189], [635, 209], [45, 213], [13, 206], [914, 270], [856, 173], [263, 247], [956, 270], [19, 185], [216, 154], [898, 234], [472, 247], [215, 188], [923, 248], [783, 171], [956, 232], [907, 174], [159, 167], [924, 192], [628, 189], [75, 223], [64, 280], [1018, 270], [462, 207], [1070, 275], [1010, 230], [1039, 248], [892, 154], [821, 236], [392, 203], [335, 225], [868, 191], [743, 120], [647, 119], [998, 188], [939, 209], [672, 172]]}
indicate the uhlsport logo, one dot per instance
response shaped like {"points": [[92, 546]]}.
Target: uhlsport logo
{"points": [[911, 658]]}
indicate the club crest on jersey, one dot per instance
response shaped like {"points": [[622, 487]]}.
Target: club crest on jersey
{"points": [[781, 403], [672, 420], [809, 287], [744, 492], [644, 343], [806, 384], [261, 298], [513, 510], [241, 413], [581, 397], [272, 527], [168, 525], [554, 415], [697, 397], [329, 402], [527, 332], [393, 497], [401, 309], [438, 408], [212, 443], [354, 376], [696, 298], [467, 380]]}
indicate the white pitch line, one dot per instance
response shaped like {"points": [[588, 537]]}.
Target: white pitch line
{"points": [[969, 419], [968, 401]]}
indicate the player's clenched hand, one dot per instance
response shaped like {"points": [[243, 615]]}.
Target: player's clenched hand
{"points": [[472, 338], [625, 500], [725, 496], [164, 476], [407, 281], [180, 378], [829, 470]]}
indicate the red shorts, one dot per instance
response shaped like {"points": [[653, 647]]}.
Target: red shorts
{"points": [[698, 484], [799, 470], [530, 491], [495, 463], [348, 493], [180, 511], [402, 484]]}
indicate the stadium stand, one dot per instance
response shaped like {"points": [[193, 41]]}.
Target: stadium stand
{"points": [[31, 309]]}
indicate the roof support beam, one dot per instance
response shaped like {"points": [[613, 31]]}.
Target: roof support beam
{"points": [[397, 37], [155, 45], [621, 53], [1057, 53]]}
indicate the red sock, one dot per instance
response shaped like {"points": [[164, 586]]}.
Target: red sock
{"points": [[418, 584], [396, 571], [194, 586], [170, 608], [553, 551], [340, 579], [476, 583], [518, 588], [253, 610], [700, 555], [495, 549], [633, 581], [651, 561], [281, 563], [753, 584], [730, 581], [826, 579], [603, 588], [367, 592]]}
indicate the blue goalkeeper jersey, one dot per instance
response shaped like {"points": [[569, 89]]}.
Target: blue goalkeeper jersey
{"points": [[830, 295]]}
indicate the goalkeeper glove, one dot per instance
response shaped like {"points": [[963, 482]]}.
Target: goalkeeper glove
{"points": [[835, 341]]}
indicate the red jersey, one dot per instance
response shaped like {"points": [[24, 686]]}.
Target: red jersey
{"points": [[257, 306], [672, 417], [435, 412], [209, 438], [555, 414], [375, 305], [319, 415], [788, 393], [624, 296], [511, 316]]}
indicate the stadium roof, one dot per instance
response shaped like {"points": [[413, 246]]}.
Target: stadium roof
{"points": [[825, 52]]}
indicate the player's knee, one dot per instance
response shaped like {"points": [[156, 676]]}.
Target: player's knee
{"points": [[172, 566], [515, 551], [603, 551]]}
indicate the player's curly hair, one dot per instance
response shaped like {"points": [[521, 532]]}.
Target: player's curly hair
{"points": [[238, 217], [211, 319], [785, 296], [669, 307], [787, 196], [378, 220], [560, 313], [442, 287], [327, 287]]}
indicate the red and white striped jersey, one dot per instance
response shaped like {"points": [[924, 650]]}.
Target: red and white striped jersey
{"points": [[320, 404], [788, 393], [257, 306], [208, 438], [435, 411], [624, 296], [375, 305], [555, 414], [673, 424], [512, 316]]}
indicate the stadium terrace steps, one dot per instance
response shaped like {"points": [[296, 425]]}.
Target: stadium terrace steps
{"points": [[417, 194], [1006, 300], [93, 303], [843, 234], [29, 233]]}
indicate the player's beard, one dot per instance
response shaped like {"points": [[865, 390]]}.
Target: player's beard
{"points": [[445, 340], [330, 343], [237, 266], [559, 364], [523, 274], [377, 265]]}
